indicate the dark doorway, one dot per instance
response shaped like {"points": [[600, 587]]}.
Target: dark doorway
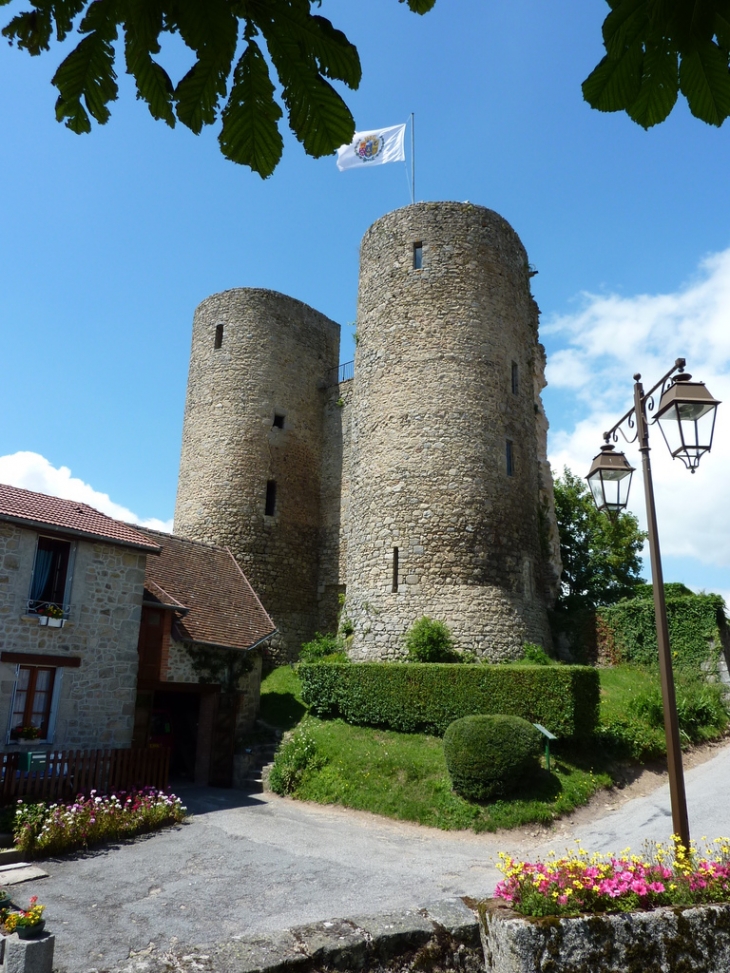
{"points": [[174, 724]]}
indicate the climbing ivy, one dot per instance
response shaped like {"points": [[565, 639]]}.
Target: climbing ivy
{"points": [[697, 624]]}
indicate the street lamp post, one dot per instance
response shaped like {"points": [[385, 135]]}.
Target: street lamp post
{"points": [[686, 417]]}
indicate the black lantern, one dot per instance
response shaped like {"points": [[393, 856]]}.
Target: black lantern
{"points": [[610, 479], [686, 417]]}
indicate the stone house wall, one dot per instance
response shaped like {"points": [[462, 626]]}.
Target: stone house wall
{"points": [[180, 670], [96, 699]]}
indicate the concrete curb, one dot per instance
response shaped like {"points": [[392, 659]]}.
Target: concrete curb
{"points": [[446, 931]]}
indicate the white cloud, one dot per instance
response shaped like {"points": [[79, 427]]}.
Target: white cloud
{"points": [[31, 471], [598, 349]]}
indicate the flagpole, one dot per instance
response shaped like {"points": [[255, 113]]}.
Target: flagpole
{"points": [[413, 157]]}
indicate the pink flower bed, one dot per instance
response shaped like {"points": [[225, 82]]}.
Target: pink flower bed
{"points": [[581, 883], [50, 829]]}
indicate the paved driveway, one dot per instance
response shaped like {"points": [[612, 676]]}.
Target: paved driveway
{"points": [[257, 864]]}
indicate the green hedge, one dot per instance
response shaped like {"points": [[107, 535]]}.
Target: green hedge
{"points": [[426, 697], [627, 630]]}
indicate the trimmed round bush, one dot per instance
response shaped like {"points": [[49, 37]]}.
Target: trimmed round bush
{"points": [[487, 756]]}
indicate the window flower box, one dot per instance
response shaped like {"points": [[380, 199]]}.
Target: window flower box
{"points": [[55, 622], [663, 940]]}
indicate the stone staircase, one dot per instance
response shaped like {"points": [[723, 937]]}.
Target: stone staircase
{"points": [[251, 768]]}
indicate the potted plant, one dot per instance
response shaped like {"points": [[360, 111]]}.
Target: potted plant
{"points": [[667, 909], [27, 924], [51, 615], [25, 733]]}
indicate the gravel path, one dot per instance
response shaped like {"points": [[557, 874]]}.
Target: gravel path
{"points": [[256, 864]]}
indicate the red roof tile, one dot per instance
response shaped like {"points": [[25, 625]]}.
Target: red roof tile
{"points": [[69, 517], [222, 607]]}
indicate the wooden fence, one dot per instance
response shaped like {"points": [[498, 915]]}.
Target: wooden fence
{"points": [[61, 775]]}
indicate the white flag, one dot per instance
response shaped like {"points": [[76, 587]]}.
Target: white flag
{"points": [[373, 148]]}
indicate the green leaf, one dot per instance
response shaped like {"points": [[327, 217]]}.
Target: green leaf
{"points": [[659, 86], [722, 29], [616, 82], [141, 39], [88, 73], [317, 115], [337, 57], [624, 25], [705, 82], [31, 31], [420, 6], [210, 29], [64, 13], [250, 134]]}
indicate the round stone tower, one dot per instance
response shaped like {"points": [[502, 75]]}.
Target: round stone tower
{"points": [[445, 452], [252, 446]]}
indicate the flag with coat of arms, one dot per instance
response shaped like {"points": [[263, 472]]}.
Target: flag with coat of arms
{"points": [[373, 148]]}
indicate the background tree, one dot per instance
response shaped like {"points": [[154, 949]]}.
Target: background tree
{"points": [[601, 555], [306, 52], [657, 48]]}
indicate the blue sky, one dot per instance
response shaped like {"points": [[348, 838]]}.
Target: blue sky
{"points": [[109, 241]]}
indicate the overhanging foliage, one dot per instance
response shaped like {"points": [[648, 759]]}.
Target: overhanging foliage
{"points": [[306, 51], [657, 48]]}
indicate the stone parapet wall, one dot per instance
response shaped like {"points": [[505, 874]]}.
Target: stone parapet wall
{"points": [[96, 699], [667, 940]]}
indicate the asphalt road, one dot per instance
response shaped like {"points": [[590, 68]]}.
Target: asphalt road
{"points": [[252, 864]]}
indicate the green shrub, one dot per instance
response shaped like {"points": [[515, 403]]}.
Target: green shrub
{"points": [[428, 640], [292, 759], [488, 756], [426, 698], [535, 655], [323, 647], [627, 630], [701, 710], [632, 717]]}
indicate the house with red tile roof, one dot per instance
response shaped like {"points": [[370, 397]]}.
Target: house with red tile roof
{"points": [[199, 671], [109, 632]]}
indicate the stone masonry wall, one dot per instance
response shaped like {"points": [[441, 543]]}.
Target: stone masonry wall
{"points": [[275, 358], [432, 409], [96, 701], [335, 504]]}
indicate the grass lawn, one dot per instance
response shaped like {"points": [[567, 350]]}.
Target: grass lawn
{"points": [[404, 775]]}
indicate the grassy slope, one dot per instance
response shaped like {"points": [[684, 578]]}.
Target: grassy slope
{"points": [[404, 776]]}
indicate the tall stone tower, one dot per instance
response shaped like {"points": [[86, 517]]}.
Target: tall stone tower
{"points": [[444, 516], [420, 486], [253, 444]]}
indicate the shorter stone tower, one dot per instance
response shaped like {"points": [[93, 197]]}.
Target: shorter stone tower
{"points": [[253, 443], [445, 513]]}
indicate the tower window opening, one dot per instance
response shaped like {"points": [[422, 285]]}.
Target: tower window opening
{"points": [[270, 507], [218, 341], [509, 457], [515, 378], [395, 569], [278, 420], [417, 256]]}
